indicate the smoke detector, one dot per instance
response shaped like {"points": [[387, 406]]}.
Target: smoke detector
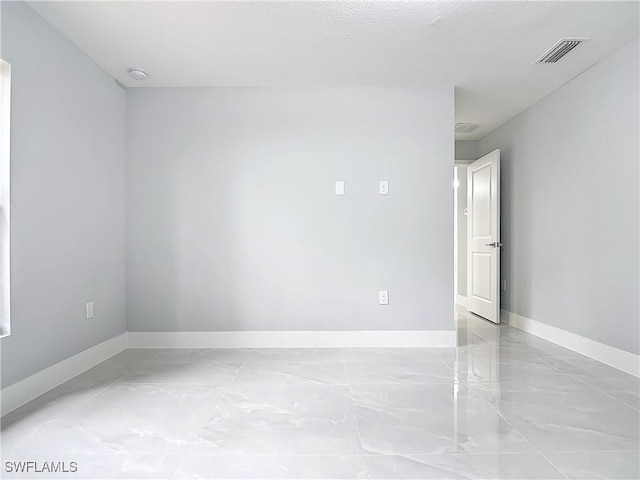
{"points": [[137, 73], [466, 127], [560, 49]]}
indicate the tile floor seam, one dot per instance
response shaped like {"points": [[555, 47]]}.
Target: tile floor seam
{"points": [[473, 391], [533, 354], [87, 400], [270, 455], [575, 428], [573, 452], [555, 466], [455, 375], [197, 435], [584, 382], [507, 421], [558, 369], [177, 384], [446, 365], [564, 372], [411, 456], [355, 416], [563, 348], [486, 402]]}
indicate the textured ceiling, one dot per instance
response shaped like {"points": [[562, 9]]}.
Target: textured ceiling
{"points": [[486, 50]]}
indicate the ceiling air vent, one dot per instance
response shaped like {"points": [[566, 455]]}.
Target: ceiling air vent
{"points": [[466, 127], [560, 49]]}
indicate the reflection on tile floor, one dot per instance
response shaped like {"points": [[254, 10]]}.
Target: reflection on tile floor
{"points": [[504, 404]]}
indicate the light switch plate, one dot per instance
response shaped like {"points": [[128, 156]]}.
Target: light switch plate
{"points": [[340, 187], [384, 187], [89, 310], [383, 297]]}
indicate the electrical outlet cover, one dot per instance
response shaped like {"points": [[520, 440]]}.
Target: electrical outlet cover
{"points": [[89, 310], [383, 297]]}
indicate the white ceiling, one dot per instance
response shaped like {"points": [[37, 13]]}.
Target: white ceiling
{"points": [[486, 49]]}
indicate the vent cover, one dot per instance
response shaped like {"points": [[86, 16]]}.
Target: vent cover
{"points": [[560, 49], [466, 127]]}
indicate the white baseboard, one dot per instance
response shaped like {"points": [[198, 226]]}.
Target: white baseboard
{"points": [[291, 339], [612, 356], [461, 300], [41, 382]]}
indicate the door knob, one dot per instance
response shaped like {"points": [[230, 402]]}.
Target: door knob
{"points": [[494, 244]]}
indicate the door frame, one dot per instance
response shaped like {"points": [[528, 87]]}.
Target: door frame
{"points": [[460, 176]]}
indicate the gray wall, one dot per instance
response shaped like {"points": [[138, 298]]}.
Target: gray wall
{"points": [[570, 204], [233, 223], [466, 150], [68, 197]]}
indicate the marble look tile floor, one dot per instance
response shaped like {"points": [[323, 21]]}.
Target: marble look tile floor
{"points": [[504, 404]]}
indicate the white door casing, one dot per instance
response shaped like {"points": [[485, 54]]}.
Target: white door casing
{"points": [[483, 237]]}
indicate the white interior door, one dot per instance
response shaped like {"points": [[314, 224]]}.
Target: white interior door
{"points": [[483, 237]]}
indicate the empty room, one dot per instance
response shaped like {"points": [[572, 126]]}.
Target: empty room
{"points": [[319, 239]]}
